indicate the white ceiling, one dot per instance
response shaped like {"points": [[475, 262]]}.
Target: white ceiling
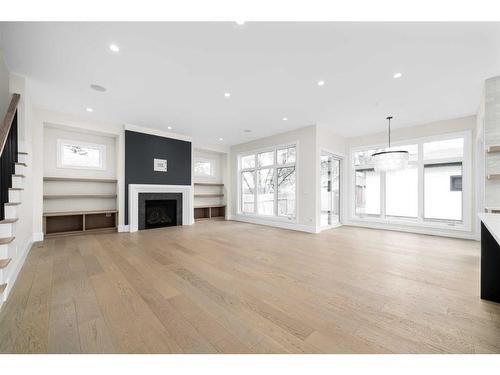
{"points": [[176, 73]]}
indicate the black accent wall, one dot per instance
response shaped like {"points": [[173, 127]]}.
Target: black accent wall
{"points": [[141, 149]]}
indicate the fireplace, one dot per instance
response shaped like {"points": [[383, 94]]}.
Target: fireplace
{"points": [[158, 210]]}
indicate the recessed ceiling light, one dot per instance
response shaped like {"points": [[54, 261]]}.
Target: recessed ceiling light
{"points": [[221, 139], [97, 87], [398, 75], [169, 127], [113, 47], [285, 118], [227, 94], [321, 83], [89, 109], [240, 22]]}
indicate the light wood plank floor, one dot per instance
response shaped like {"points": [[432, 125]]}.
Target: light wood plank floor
{"points": [[228, 287]]}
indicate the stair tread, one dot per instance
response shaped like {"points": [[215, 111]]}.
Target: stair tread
{"points": [[12, 203], [2, 288], [4, 262], [23, 164], [18, 175], [16, 188], [8, 221], [6, 240]]}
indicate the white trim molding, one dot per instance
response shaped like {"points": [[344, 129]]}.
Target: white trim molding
{"points": [[133, 201], [259, 220]]}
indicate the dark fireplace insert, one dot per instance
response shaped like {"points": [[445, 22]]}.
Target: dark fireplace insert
{"points": [[158, 210], [161, 213]]}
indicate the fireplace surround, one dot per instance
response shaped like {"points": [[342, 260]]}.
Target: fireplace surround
{"points": [[158, 210], [185, 196]]}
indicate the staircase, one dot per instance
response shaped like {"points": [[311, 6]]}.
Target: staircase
{"points": [[12, 175]]}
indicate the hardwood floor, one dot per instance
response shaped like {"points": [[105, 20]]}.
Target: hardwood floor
{"points": [[229, 287]]}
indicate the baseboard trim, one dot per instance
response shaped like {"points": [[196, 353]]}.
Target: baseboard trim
{"points": [[37, 237], [416, 230], [322, 229], [277, 224], [123, 228]]}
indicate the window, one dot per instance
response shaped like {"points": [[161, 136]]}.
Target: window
{"points": [[442, 201], [265, 191], [367, 192], [268, 182], [401, 192], [248, 192], [286, 191], [428, 192], [204, 167], [80, 155]]}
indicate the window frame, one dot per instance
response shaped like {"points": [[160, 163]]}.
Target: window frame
{"points": [[275, 167], [213, 167], [419, 221], [102, 154]]}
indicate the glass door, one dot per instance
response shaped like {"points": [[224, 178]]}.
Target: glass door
{"points": [[330, 189]]}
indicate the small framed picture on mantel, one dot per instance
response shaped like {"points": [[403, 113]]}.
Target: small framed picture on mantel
{"points": [[160, 165]]}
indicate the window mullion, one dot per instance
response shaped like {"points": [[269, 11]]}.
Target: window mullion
{"points": [[420, 212], [382, 194]]}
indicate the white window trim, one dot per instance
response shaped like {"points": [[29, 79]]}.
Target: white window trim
{"points": [[256, 168], [213, 163], [464, 226], [100, 147]]}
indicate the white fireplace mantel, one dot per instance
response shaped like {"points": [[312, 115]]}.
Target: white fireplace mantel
{"points": [[133, 201]]}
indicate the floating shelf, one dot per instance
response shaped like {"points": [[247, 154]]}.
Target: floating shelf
{"points": [[67, 179], [493, 176], [72, 196], [492, 149], [207, 184], [208, 195]]}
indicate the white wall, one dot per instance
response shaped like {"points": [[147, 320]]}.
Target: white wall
{"points": [[306, 176], [424, 130], [44, 120], [218, 162], [52, 133]]}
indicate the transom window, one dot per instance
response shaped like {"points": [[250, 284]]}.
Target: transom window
{"points": [[204, 167], [428, 190], [268, 182], [80, 155]]}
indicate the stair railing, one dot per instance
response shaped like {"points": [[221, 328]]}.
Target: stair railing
{"points": [[8, 152]]}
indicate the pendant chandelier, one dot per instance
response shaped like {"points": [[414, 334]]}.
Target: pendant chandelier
{"points": [[385, 161]]}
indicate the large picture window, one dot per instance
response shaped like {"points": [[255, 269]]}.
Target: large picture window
{"points": [[268, 182], [428, 191]]}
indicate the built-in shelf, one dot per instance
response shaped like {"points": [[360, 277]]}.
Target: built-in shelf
{"points": [[207, 184], [73, 196], [79, 222], [492, 149], [69, 213], [493, 176], [209, 212], [68, 179], [493, 210], [208, 195]]}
